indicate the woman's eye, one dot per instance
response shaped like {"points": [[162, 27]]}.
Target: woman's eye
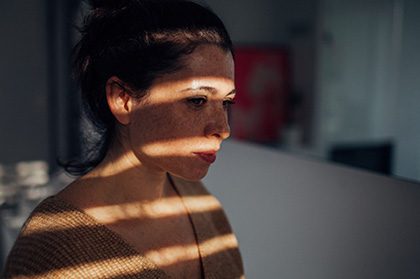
{"points": [[228, 103], [197, 101]]}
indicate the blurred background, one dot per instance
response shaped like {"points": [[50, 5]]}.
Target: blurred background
{"points": [[333, 80]]}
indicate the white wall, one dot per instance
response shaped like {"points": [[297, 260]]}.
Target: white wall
{"points": [[297, 218], [23, 81]]}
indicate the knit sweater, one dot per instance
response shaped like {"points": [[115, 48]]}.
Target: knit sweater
{"points": [[60, 241]]}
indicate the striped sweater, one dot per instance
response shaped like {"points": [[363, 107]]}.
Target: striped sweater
{"points": [[60, 241]]}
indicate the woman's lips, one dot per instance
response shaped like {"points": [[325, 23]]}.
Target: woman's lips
{"points": [[208, 157]]}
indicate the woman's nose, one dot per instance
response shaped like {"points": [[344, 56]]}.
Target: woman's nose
{"points": [[218, 125]]}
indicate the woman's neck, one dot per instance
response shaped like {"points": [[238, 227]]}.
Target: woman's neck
{"points": [[126, 179], [120, 179]]}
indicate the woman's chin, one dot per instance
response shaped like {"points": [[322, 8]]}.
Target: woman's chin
{"points": [[193, 175]]}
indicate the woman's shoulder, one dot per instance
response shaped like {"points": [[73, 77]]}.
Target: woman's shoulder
{"points": [[41, 244], [50, 228], [58, 240], [53, 215]]}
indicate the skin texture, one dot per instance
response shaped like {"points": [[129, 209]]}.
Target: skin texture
{"points": [[183, 113]]}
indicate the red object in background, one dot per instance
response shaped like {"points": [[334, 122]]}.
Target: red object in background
{"points": [[262, 82]]}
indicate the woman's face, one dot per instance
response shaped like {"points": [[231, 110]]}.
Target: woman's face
{"points": [[180, 124]]}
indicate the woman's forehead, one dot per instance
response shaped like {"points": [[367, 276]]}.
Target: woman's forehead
{"points": [[209, 60]]}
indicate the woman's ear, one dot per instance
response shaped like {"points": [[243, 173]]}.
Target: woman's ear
{"points": [[119, 99]]}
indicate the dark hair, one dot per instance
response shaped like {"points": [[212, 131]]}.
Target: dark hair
{"points": [[137, 41]]}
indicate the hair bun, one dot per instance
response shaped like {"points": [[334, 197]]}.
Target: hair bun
{"points": [[111, 4]]}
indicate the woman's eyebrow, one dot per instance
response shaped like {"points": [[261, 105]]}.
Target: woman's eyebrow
{"points": [[207, 88], [233, 92], [201, 88]]}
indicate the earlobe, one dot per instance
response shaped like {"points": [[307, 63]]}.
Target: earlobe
{"points": [[119, 100]]}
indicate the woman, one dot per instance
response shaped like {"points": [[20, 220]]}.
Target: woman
{"points": [[157, 81]]}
